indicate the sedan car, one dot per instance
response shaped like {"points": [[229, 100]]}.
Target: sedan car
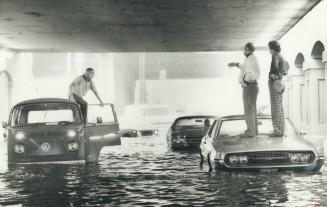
{"points": [[186, 132], [224, 149], [52, 129], [146, 119]]}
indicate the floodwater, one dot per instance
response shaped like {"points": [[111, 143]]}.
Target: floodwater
{"points": [[143, 172]]}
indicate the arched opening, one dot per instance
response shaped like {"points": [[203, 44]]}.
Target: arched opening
{"points": [[5, 91], [315, 83], [317, 50], [299, 60]]}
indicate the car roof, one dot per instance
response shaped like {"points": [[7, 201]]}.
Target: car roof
{"points": [[197, 116], [235, 117], [45, 100]]}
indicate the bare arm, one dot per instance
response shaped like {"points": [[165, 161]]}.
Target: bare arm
{"points": [[97, 94], [235, 64]]}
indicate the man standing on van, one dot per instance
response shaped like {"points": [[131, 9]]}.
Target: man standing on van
{"points": [[249, 74], [79, 87]]}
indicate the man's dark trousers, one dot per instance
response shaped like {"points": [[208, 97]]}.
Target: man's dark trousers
{"points": [[250, 94], [83, 104]]}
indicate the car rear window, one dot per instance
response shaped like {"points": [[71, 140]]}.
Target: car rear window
{"points": [[192, 122], [46, 113]]}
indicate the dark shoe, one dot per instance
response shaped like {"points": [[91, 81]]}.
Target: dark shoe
{"points": [[246, 136], [276, 134]]}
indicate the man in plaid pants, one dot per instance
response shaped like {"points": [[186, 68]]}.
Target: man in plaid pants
{"points": [[276, 89]]}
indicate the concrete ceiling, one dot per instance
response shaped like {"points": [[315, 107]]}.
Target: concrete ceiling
{"points": [[145, 25]]}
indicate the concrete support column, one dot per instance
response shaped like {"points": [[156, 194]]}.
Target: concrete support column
{"points": [[142, 78], [324, 60], [295, 105], [314, 80]]}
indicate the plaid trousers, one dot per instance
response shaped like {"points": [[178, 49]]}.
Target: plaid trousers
{"points": [[276, 89]]}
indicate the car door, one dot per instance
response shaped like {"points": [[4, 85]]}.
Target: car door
{"points": [[102, 129], [207, 140]]}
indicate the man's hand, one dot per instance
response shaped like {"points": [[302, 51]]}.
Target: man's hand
{"points": [[101, 104], [243, 85], [233, 64]]}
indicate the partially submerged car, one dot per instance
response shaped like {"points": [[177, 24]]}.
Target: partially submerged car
{"points": [[187, 131], [52, 129], [146, 119], [224, 149]]}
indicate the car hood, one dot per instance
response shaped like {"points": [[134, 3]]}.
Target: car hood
{"points": [[263, 144]]}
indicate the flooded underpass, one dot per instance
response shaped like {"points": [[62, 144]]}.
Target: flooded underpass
{"points": [[143, 172]]}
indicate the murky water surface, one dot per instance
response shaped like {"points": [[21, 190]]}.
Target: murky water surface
{"points": [[142, 172]]}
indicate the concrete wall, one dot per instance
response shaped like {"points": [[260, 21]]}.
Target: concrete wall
{"points": [[209, 88], [304, 47], [16, 81]]}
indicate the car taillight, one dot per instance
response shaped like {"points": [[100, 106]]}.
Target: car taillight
{"points": [[73, 146], [19, 148]]}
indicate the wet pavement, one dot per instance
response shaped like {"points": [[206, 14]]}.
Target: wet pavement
{"points": [[143, 172]]}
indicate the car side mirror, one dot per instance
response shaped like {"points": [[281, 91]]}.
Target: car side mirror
{"points": [[4, 124], [99, 120]]}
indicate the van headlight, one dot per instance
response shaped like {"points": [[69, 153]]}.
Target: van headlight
{"points": [[71, 133], [73, 146], [19, 148], [20, 135]]}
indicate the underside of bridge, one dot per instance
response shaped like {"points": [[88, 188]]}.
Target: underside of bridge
{"points": [[145, 25]]}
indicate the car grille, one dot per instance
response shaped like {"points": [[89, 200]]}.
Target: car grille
{"points": [[270, 158]]}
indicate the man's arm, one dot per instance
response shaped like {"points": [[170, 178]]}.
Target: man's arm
{"points": [[235, 64], [93, 88]]}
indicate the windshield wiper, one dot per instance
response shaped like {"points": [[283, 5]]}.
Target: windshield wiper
{"points": [[64, 123], [34, 124]]}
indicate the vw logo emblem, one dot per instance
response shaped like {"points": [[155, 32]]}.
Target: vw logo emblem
{"points": [[45, 146]]}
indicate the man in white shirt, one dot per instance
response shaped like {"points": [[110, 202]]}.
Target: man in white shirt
{"points": [[79, 87], [249, 74]]}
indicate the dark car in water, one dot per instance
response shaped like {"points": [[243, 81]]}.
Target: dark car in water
{"points": [[52, 129], [225, 149], [186, 132]]}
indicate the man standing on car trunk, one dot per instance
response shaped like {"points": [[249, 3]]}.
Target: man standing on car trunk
{"points": [[249, 74], [79, 87]]}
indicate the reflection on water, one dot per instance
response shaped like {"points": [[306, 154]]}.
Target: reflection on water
{"points": [[143, 172]]}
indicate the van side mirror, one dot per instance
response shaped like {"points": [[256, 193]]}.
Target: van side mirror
{"points": [[99, 120], [4, 124]]}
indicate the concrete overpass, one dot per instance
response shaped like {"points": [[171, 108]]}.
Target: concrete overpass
{"points": [[145, 25]]}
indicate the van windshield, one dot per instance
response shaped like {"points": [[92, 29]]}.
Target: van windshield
{"points": [[45, 114]]}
